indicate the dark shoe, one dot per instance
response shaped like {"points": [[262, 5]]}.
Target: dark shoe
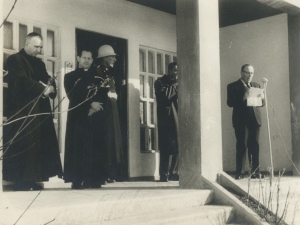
{"points": [[95, 184], [104, 182], [253, 176], [239, 176], [36, 187], [163, 178], [77, 186], [86, 184], [111, 180], [21, 186], [174, 177]]}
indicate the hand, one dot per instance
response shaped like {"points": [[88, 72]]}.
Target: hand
{"points": [[48, 90], [262, 95], [97, 106], [112, 95], [91, 111]]}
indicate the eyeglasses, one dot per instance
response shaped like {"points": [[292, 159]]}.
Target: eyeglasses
{"points": [[248, 73]]}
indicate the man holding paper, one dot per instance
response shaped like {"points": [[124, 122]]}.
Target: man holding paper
{"points": [[246, 98]]}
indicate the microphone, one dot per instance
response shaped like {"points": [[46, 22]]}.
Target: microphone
{"points": [[264, 80]]}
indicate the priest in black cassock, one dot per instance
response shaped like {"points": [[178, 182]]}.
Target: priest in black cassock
{"points": [[84, 163], [30, 152]]}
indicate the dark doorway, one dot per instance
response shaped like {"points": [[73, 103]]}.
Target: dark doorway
{"points": [[93, 41]]}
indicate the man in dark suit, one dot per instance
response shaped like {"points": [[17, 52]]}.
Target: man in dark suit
{"points": [[245, 117]]}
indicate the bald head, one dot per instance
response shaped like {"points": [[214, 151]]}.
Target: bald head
{"points": [[34, 44]]}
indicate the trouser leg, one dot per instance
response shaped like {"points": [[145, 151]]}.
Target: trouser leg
{"points": [[253, 147], [240, 148], [173, 167], [164, 163]]}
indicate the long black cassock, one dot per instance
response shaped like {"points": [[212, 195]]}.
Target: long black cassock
{"points": [[30, 151], [167, 119], [113, 143], [85, 135]]}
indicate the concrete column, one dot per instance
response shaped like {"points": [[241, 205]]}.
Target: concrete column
{"points": [[200, 137], [1, 90], [294, 59]]}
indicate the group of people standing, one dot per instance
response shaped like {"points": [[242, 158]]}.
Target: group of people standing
{"points": [[93, 152], [93, 144]]}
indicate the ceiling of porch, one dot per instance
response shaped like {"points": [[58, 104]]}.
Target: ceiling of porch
{"points": [[230, 11]]}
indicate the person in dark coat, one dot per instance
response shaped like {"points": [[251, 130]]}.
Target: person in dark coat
{"points": [[30, 151], [245, 117], [84, 163], [167, 123], [113, 144]]}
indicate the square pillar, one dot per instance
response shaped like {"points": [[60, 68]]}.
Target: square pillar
{"points": [[200, 136], [1, 91], [294, 66]]}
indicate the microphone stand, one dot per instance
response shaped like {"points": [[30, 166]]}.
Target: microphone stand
{"points": [[266, 100]]}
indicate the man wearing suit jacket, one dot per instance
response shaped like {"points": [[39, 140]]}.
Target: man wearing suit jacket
{"points": [[243, 117]]}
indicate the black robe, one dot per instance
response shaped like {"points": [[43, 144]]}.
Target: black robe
{"points": [[33, 155], [85, 135], [113, 143], [167, 122]]}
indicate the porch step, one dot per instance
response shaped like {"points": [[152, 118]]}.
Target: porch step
{"points": [[116, 206], [200, 215]]}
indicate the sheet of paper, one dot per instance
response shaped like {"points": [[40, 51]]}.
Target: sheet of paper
{"points": [[253, 99]]}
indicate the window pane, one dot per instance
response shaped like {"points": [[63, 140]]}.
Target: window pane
{"points": [[8, 35], [142, 61], [39, 31], [143, 138], [150, 86], [50, 43], [51, 71], [142, 86], [151, 62], [50, 67], [143, 113], [5, 56], [159, 64], [151, 112], [167, 62], [151, 139], [22, 35]]}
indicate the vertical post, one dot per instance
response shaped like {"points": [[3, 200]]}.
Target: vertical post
{"points": [[1, 90], [294, 67], [200, 136], [269, 132]]}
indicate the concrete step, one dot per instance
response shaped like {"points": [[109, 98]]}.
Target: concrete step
{"points": [[75, 207], [201, 215]]}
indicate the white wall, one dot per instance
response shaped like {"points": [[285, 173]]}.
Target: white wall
{"points": [[139, 25], [264, 44]]}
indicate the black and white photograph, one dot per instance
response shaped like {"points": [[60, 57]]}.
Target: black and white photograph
{"points": [[150, 112]]}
